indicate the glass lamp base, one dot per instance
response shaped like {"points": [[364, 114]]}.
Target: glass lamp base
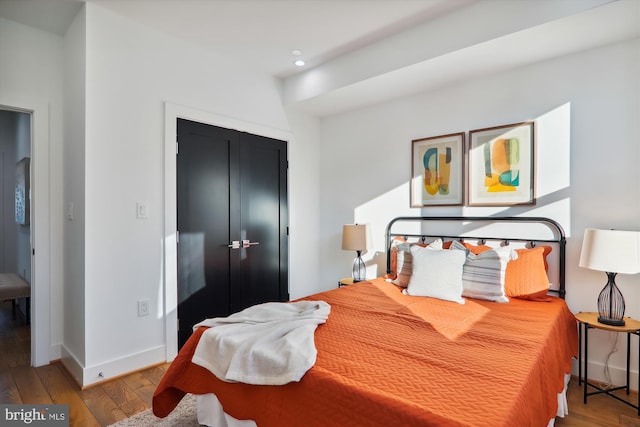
{"points": [[359, 270]]}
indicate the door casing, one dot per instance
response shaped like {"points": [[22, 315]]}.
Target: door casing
{"points": [[42, 352]]}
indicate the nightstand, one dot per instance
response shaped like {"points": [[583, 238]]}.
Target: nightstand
{"points": [[346, 281], [590, 321]]}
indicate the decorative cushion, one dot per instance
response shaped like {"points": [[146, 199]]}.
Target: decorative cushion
{"points": [[402, 261], [483, 275], [526, 277], [393, 258], [436, 274], [475, 249]]}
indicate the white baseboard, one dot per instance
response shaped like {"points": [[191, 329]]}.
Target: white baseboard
{"points": [[71, 362], [55, 352], [596, 372], [86, 376]]}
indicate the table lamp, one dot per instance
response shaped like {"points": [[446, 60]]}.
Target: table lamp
{"points": [[611, 251], [357, 237]]}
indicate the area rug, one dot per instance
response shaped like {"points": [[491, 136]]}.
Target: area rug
{"points": [[183, 416]]}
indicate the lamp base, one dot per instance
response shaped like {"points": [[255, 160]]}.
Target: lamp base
{"points": [[359, 271], [611, 303], [610, 322]]}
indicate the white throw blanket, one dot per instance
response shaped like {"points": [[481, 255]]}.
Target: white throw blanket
{"points": [[271, 343]]}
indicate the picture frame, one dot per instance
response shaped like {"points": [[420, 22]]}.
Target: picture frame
{"points": [[437, 170], [22, 196], [501, 165]]}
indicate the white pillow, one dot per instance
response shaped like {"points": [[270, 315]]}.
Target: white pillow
{"points": [[436, 274], [483, 274], [405, 260]]}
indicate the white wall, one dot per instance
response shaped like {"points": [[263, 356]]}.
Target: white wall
{"points": [[31, 81], [304, 188], [74, 296], [585, 107], [131, 71]]}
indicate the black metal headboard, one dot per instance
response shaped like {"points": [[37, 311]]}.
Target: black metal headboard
{"points": [[471, 223]]}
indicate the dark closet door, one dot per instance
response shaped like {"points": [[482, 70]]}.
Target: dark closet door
{"points": [[263, 219], [232, 186]]}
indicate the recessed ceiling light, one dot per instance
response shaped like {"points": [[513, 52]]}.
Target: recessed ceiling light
{"points": [[299, 62], [296, 52]]}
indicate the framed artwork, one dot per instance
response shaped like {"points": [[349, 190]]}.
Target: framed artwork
{"points": [[501, 165], [22, 192], [437, 170]]}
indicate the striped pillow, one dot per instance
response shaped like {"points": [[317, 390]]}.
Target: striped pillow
{"points": [[483, 275]]}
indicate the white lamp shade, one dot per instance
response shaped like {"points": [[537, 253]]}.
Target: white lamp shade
{"points": [[613, 251], [356, 237]]}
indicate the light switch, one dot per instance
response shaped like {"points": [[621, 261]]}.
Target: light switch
{"points": [[142, 210]]}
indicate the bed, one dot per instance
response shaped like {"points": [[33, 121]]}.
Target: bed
{"points": [[387, 358]]}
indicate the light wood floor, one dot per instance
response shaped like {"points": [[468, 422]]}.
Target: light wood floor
{"points": [[100, 405], [115, 400]]}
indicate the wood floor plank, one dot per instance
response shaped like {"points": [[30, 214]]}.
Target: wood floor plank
{"points": [[628, 421], [8, 390], [23, 333], [29, 385], [123, 396], [64, 391], [103, 408], [15, 353], [4, 366], [141, 385], [155, 374]]}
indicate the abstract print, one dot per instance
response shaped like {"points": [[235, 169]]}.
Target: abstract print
{"points": [[437, 164], [501, 165], [437, 170]]}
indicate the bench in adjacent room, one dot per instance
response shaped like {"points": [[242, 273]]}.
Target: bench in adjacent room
{"points": [[13, 287]]}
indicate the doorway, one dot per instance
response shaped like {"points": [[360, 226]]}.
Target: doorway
{"points": [[232, 222], [15, 225]]}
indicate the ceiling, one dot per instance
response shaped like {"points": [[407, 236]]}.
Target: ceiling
{"points": [[53, 16], [359, 46], [262, 33]]}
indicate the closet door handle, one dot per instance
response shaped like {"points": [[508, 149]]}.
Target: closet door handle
{"points": [[248, 243], [245, 244]]}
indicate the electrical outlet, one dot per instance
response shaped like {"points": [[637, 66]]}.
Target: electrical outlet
{"points": [[143, 307]]}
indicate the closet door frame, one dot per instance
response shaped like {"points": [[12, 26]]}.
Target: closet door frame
{"points": [[172, 113]]}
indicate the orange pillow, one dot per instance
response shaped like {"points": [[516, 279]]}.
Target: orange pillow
{"points": [[474, 249], [526, 277], [477, 249]]}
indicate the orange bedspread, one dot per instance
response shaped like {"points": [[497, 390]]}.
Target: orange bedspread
{"points": [[387, 359]]}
